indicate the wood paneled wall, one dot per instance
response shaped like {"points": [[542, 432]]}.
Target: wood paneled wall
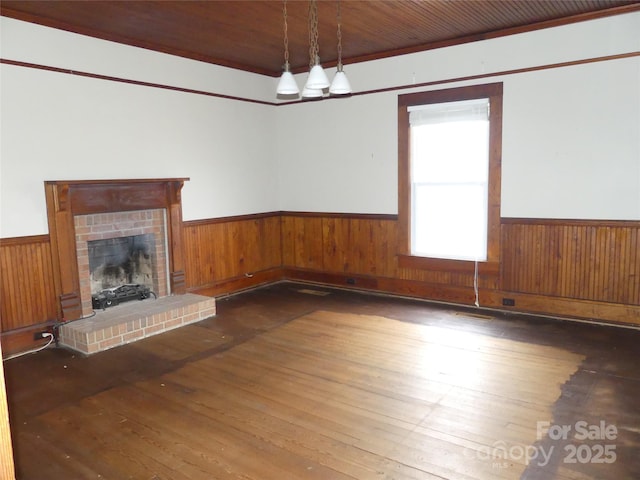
{"points": [[364, 245], [592, 260], [589, 269], [228, 254], [359, 245], [27, 294]]}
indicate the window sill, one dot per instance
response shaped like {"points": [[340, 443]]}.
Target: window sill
{"points": [[445, 265]]}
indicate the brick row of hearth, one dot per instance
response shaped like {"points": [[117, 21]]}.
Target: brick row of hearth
{"points": [[133, 321]]}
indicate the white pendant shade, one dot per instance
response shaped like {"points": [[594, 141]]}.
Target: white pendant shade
{"points": [[287, 84], [340, 84], [317, 78], [312, 92]]}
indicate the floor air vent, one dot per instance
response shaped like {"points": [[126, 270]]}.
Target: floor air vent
{"points": [[309, 291]]}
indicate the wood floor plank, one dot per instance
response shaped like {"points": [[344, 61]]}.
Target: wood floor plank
{"points": [[296, 432], [183, 342], [213, 446], [90, 440], [52, 461]]}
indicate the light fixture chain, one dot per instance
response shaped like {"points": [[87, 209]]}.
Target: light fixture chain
{"points": [[315, 29], [287, 85], [339, 35], [313, 33], [286, 35]]}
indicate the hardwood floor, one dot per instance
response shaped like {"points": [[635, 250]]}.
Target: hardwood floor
{"points": [[303, 382]]}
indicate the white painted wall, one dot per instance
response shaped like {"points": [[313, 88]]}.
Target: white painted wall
{"points": [[31, 43], [63, 127], [571, 135], [571, 143], [339, 155], [571, 146]]}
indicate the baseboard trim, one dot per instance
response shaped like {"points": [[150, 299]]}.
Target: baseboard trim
{"points": [[21, 339], [238, 284], [527, 304]]}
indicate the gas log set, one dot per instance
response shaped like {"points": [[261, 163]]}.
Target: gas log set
{"points": [[116, 295]]}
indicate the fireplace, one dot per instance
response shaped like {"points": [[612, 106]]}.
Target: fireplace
{"points": [[122, 223], [119, 248], [83, 211]]}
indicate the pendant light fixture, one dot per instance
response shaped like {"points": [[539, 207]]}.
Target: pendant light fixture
{"points": [[340, 84], [317, 82], [317, 79], [287, 84]]}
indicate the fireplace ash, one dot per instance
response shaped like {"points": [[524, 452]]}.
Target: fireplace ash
{"points": [[118, 261]]}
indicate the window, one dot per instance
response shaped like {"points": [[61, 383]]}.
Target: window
{"points": [[449, 177]]}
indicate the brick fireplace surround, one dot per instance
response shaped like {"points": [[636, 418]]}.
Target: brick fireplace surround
{"points": [[100, 226], [80, 211]]}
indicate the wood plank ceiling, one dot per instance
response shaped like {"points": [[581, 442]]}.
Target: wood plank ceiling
{"points": [[248, 35]]}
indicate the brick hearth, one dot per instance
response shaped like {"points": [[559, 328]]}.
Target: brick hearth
{"points": [[134, 320]]}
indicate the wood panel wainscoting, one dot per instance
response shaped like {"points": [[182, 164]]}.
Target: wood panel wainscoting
{"points": [[597, 261], [572, 268], [27, 294], [230, 254], [578, 268]]}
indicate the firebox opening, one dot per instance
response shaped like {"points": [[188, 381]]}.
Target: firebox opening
{"points": [[114, 262]]}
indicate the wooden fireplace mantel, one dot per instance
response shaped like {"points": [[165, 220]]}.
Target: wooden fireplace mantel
{"points": [[67, 198]]}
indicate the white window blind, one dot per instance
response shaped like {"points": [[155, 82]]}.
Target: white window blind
{"points": [[464, 110]]}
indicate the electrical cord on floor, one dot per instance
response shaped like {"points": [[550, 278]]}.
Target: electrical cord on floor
{"points": [[64, 322], [475, 285], [35, 350]]}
